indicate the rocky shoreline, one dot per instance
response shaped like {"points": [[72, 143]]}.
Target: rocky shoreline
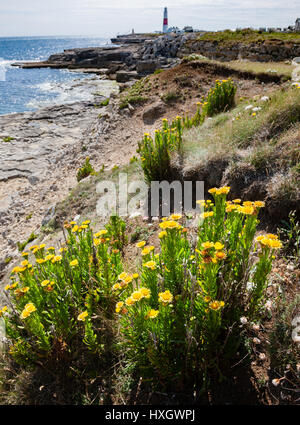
{"points": [[39, 154], [133, 59]]}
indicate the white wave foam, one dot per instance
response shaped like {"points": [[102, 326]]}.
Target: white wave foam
{"points": [[67, 92]]}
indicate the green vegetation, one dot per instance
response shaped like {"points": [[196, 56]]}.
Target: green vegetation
{"points": [[290, 234], [158, 71], [170, 96], [66, 305], [220, 98], [136, 94], [156, 153], [7, 139], [86, 170], [105, 102], [22, 245], [248, 36]]}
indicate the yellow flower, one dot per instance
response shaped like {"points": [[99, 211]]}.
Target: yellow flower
{"points": [[33, 247], [271, 236], [82, 316], [122, 276], [25, 289], [29, 308], [45, 282], [128, 279], [208, 245], [147, 250], [219, 246], [145, 292], [165, 297], [152, 314], [141, 244], [222, 190], [207, 214], [150, 265], [175, 217], [207, 298], [101, 233], [216, 305], [248, 210], [25, 254], [220, 255], [259, 204], [162, 234], [275, 244], [135, 275], [116, 287], [49, 257], [56, 259], [86, 222], [136, 296], [40, 260], [24, 263], [74, 263], [129, 301], [119, 305]]}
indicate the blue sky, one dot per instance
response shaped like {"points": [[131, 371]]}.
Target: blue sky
{"points": [[109, 17]]}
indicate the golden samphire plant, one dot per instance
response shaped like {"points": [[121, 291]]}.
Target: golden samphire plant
{"points": [[179, 314], [183, 318]]}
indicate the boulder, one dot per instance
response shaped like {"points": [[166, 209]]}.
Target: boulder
{"points": [[146, 67], [153, 112], [124, 76]]}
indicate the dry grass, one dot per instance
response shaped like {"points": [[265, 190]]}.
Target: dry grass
{"points": [[278, 68]]}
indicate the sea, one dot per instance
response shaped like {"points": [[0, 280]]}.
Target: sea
{"points": [[30, 89]]}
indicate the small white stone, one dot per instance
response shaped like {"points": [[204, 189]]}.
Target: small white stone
{"points": [[255, 327], [256, 340], [135, 214], [248, 107], [262, 356], [268, 305], [257, 108], [264, 98], [243, 320]]}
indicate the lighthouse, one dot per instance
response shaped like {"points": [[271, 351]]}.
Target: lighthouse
{"points": [[165, 24]]}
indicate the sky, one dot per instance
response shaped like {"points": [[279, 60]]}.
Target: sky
{"points": [[111, 17]]}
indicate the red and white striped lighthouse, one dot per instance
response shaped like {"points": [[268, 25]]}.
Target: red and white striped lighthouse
{"points": [[165, 24]]}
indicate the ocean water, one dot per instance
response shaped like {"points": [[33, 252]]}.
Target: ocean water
{"points": [[29, 89]]}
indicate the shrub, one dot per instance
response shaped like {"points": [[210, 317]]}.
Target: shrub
{"points": [[155, 154], [61, 303], [86, 170], [22, 245], [105, 102], [182, 318], [220, 98], [170, 96], [116, 228]]}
